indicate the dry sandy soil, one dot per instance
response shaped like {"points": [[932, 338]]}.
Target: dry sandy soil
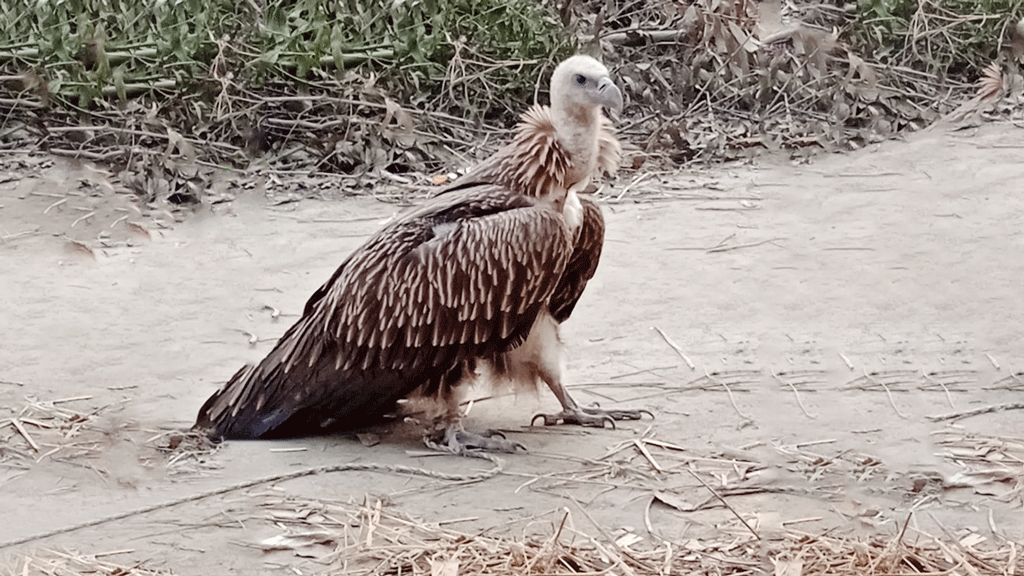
{"points": [[827, 308]]}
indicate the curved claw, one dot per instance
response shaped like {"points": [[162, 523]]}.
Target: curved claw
{"points": [[507, 446], [580, 418], [459, 441], [629, 414], [590, 417], [547, 419], [492, 433]]}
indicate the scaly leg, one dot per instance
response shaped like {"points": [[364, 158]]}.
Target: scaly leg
{"points": [[549, 370], [457, 440], [454, 438], [573, 413]]}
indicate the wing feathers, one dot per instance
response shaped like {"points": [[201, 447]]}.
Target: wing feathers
{"points": [[460, 277], [404, 306], [582, 264]]}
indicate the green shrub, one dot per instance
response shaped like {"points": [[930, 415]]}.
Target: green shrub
{"points": [[952, 39], [225, 70]]}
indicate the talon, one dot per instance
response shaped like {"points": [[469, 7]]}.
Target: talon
{"points": [[628, 415], [590, 417], [594, 420], [459, 441], [548, 419]]}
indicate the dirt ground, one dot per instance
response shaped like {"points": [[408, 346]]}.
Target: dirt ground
{"points": [[828, 309]]}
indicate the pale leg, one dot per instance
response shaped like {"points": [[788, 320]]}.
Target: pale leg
{"points": [[454, 438], [549, 369]]}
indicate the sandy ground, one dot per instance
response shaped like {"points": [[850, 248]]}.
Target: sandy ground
{"points": [[827, 308]]}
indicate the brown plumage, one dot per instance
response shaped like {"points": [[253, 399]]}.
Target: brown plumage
{"points": [[477, 277]]}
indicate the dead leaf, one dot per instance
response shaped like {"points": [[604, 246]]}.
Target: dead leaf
{"points": [[295, 541], [743, 38], [628, 539], [673, 501], [789, 567], [368, 439], [138, 229], [292, 515], [449, 567], [176, 141], [81, 248], [972, 540], [862, 77], [769, 17]]}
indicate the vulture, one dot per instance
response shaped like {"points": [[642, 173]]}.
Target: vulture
{"points": [[471, 284]]}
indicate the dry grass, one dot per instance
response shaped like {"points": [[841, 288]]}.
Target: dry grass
{"points": [[62, 431], [74, 563], [705, 80], [992, 466], [322, 536], [42, 429], [713, 80], [372, 538]]}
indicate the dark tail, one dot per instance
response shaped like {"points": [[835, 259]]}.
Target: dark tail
{"points": [[225, 415], [267, 401]]}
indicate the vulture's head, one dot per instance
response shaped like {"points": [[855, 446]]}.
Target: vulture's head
{"points": [[581, 84]]}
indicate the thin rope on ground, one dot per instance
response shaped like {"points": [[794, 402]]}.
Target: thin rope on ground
{"points": [[326, 469]]}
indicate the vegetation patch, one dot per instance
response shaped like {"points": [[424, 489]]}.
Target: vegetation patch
{"points": [[714, 79], [164, 90]]}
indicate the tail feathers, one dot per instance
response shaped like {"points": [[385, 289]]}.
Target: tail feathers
{"points": [[266, 402], [225, 414], [301, 389]]}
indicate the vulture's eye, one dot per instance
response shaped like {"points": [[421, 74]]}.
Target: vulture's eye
{"points": [[581, 79]]}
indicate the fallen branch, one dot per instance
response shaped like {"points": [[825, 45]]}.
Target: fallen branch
{"points": [[24, 433], [739, 246], [976, 412], [724, 503], [675, 347], [795, 393]]}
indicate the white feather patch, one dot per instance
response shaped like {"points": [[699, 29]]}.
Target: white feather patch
{"points": [[572, 211]]}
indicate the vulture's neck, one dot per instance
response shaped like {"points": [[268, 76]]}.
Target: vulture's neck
{"points": [[577, 129], [554, 150]]}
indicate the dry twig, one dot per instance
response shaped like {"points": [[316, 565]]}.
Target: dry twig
{"points": [[977, 411]]}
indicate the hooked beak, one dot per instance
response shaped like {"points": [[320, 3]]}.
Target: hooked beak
{"points": [[608, 94]]}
